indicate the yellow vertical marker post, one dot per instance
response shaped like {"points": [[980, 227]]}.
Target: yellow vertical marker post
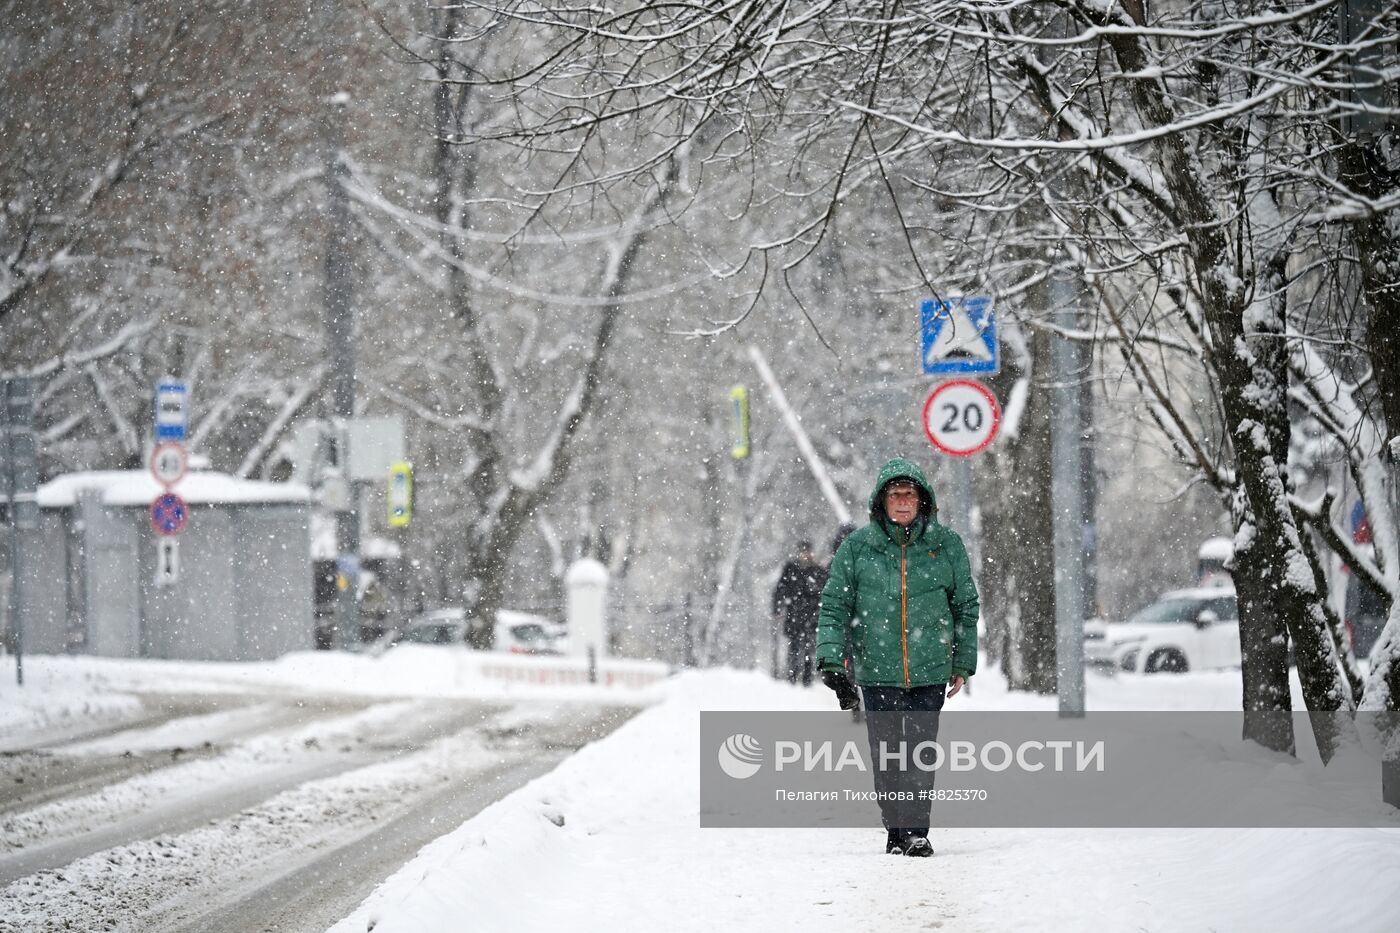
{"points": [[739, 395], [400, 495], [741, 451]]}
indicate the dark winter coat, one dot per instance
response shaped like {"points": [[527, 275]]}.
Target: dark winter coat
{"points": [[798, 596], [900, 601]]}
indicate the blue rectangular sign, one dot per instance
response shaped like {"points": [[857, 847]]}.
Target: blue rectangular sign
{"points": [[172, 411], [959, 337]]}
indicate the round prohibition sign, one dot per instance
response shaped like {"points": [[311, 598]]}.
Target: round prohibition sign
{"points": [[169, 514], [169, 463], [961, 418]]}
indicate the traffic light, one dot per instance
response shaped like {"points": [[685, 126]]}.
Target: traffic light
{"points": [[400, 495]]}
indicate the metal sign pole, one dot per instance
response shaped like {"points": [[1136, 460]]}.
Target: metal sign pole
{"points": [[15, 591], [21, 481], [12, 512], [346, 633]]}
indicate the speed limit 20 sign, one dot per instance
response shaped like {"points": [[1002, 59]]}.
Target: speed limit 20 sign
{"points": [[961, 417]]}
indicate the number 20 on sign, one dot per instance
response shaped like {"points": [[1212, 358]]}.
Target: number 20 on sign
{"points": [[961, 418]]}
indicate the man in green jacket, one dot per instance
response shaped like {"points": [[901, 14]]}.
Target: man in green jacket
{"points": [[901, 604]]}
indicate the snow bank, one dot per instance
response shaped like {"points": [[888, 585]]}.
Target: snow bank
{"points": [[63, 693], [49, 703]]}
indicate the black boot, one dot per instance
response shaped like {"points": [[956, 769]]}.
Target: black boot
{"points": [[917, 846], [894, 842]]}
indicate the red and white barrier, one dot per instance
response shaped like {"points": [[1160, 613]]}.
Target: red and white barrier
{"points": [[569, 671]]}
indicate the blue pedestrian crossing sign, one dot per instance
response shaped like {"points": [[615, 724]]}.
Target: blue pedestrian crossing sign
{"points": [[959, 337]]}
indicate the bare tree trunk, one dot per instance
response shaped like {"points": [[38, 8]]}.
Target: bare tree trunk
{"points": [[1354, 681], [711, 544], [1275, 587], [1265, 695], [1033, 524], [510, 507], [1377, 239], [1018, 585], [995, 582], [454, 179]]}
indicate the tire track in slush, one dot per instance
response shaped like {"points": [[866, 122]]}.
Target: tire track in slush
{"points": [[178, 798], [305, 857], [154, 710], [313, 896], [75, 766]]}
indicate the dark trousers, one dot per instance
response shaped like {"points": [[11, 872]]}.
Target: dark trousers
{"points": [[802, 646], [895, 715]]}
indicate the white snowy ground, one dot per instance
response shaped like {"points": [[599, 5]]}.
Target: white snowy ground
{"points": [[610, 841], [630, 855]]}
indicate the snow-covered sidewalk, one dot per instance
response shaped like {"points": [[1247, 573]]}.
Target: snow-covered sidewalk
{"points": [[611, 841]]}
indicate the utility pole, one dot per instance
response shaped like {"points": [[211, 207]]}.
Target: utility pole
{"points": [[21, 479], [1067, 500], [340, 331], [1369, 89]]}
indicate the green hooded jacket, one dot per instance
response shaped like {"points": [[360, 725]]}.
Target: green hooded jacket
{"points": [[900, 601]]}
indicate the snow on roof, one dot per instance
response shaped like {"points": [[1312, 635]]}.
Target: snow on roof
{"points": [[1199, 592], [1216, 549], [512, 617], [139, 487], [587, 571]]}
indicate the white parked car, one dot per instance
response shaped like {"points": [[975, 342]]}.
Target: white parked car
{"points": [[524, 633], [516, 632], [1184, 630], [438, 627]]}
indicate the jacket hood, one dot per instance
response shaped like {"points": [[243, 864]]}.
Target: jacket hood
{"points": [[899, 468]]}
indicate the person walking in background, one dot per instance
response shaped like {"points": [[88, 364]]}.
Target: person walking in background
{"points": [[796, 601], [851, 700], [843, 532], [901, 600]]}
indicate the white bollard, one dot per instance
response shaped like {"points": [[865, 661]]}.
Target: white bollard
{"points": [[587, 586]]}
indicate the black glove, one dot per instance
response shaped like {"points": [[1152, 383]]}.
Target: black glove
{"points": [[845, 690]]}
